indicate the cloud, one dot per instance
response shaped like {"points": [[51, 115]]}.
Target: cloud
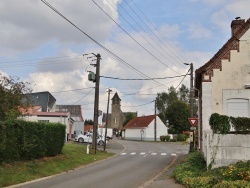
{"points": [[27, 24], [196, 31], [223, 17]]}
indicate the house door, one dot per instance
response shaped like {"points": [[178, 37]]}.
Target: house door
{"points": [[238, 107]]}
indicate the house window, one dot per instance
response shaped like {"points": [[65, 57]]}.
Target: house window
{"points": [[43, 121], [238, 107]]}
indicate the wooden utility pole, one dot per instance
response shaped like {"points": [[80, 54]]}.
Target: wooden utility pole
{"points": [[96, 103]]}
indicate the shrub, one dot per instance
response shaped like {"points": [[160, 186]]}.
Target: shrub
{"points": [[198, 182], [22, 140], [165, 138], [233, 184], [182, 137], [240, 123], [191, 166], [219, 123]]}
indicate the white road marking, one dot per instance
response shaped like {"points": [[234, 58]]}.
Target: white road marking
{"points": [[123, 153], [163, 153], [173, 154], [153, 153], [142, 153], [132, 153]]}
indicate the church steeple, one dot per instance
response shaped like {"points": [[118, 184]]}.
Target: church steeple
{"points": [[116, 99]]}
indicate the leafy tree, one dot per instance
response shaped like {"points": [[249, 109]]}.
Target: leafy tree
{"points": [[178, 113], [128, 117], [88, 122], [183, 93], [11, 92], [163, 100]]}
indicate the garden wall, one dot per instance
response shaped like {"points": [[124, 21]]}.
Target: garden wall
{"points": [[224, 149]]}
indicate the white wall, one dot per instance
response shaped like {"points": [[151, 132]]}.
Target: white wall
{"points": [[148, 132], [223, 150]]}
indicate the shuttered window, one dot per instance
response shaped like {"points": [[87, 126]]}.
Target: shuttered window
{"points": [[238, 107]]}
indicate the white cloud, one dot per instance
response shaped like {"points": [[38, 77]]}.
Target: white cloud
{"points": [[227, 13], [27, 24], [196, 31]]}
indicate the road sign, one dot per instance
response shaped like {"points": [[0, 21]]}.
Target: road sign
{"points": [[192, 128], [193, 121]]}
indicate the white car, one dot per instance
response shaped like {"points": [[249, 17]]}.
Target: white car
{"points": [[88, 138]]}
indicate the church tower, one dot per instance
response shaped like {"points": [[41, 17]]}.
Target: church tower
{"points": [[117, 117]]}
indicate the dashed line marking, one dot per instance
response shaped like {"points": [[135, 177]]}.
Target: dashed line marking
{"points": [[173, 154], [163, 153], [142, 153], [153, 153], [132, 153]]}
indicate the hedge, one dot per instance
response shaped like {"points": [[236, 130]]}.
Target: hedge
{"points": [[22, 140], [221, 124]]}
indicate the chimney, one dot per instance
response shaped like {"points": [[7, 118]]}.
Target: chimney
{"points": [[236, 25]]}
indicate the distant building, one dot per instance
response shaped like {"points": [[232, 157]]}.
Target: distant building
{"points": [[117, 117], [145, 128], [44, 109]]}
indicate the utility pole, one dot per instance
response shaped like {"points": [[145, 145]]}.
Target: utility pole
{"points": [[191, 98], [155, 123], [96, 103], [109, 90]]}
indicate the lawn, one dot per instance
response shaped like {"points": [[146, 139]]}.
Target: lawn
{"points": [[73, 156]]}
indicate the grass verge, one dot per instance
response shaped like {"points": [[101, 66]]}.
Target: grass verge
{"points": [[73, 156], [192, 172]]}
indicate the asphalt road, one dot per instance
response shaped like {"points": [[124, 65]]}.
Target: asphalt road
{"points": [[134, 164]]}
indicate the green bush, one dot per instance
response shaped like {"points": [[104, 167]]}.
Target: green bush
{"points": [[22, 140], [198, 182], [165, 138], [233, 184], [191, 166], [181, 137], [219, 123], [240, 123]]}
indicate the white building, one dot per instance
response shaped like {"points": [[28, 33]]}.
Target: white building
{"points": [[35, 114], [144, 128]]}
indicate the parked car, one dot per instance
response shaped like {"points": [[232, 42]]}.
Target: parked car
{"points": [[87, 137]]}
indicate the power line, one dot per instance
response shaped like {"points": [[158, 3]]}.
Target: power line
{"points": [[182, 79], [103, 47], [133, 37], [141, 104], [154, 29], [139, 32], [84, 96], [142, 79]]}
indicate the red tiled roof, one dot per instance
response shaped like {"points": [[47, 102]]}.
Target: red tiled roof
{"points": [[29, 110], [88, 128], [140, 122]]}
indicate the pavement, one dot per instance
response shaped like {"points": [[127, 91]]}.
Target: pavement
{"points": [[163, 179]]}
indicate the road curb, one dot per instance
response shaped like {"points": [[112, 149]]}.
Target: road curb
{"points": [[147, 183]]}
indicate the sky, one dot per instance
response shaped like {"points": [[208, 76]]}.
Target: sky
{"points": [[145, 41]]}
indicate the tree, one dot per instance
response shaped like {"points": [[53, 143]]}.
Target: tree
{"points": [[128, 117], [88, 122], [12, 98], [178, 113], [163, 100], [183, 93]]}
